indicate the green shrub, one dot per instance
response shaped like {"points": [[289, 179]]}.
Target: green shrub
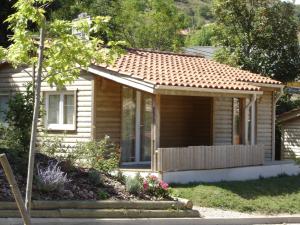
{"points": [[19, 118], [54, 147], [120, 177], [94, 177], [103, 195], [100, 155], [134, 185]]}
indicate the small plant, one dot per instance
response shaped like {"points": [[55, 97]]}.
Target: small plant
{"points": [[51, 178], [103, 195], [155, 186], [94, 177], [134, 185], [120, 177], [51, 146], [55, 148], [101, 155]]}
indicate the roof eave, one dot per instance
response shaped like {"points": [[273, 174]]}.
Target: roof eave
{"points": [[122, 79], [288, 116], [277, 86], [161, 88], [164, 89]]}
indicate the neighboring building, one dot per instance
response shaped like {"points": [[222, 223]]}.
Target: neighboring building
{"points": [[168, 112], [290, 134]]}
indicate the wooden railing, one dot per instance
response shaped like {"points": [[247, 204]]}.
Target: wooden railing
{"points": [[208, 157]]}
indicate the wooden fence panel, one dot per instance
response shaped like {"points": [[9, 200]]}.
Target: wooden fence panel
{"points": [[209, 157]]}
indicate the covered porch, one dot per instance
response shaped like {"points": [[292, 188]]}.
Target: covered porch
{"points": [[183, 130], [171, 132], [208, 131], [175, 112]]}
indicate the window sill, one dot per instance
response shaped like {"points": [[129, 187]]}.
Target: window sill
{"points": [[59, 127]]}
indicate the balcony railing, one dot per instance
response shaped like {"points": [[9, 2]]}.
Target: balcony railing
{"points": [[208, 157]]}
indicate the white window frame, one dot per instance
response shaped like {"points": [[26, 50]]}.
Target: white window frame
{"points": [[5, 124], [60, 125]]}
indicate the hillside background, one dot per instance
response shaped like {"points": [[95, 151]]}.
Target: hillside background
{"points": [[199, 13]]}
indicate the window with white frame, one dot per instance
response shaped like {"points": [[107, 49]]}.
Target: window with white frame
{"points": [[60, 110], [3, 108]]}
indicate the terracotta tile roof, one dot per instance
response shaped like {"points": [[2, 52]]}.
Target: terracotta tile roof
{"points": [[161, 68]]}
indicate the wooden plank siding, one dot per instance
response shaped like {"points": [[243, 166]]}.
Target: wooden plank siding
{"points": [[222, 125], [185, 121], [107, 109], [14, 80], [290, 139], [264, 122], [209, 157]]}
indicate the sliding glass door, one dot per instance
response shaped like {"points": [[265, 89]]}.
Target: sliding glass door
{"points": [[146, 121], [136, 126], [128, 125]]}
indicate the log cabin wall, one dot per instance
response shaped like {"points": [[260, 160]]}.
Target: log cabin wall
{"points": [[264, 122], [223, 117], [107, 109], [185, 121], [15, 80]]}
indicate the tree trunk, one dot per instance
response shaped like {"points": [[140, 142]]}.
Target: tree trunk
{"points": [[36, 110]]}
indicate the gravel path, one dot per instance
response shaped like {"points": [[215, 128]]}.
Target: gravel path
{"points": [[220, 213]]}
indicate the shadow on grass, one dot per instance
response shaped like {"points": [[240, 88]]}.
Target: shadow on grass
{"points": [[264, 187]]}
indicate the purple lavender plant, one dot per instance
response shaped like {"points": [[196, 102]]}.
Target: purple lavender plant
{"points": [[51, 178]]}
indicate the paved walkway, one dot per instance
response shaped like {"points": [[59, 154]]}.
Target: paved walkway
{"points": [[209, 216], [220, 213], [200, 221]]}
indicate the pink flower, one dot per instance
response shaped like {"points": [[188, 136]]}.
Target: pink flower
{"points": [[164, 185], [145, 185], [153, 177]]}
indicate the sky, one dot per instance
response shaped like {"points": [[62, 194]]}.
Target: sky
{"points": [[297, 1]]}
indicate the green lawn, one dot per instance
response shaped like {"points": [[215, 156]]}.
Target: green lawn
{"points": [[271, 196]]}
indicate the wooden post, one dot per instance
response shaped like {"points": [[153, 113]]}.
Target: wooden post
{"points": [[36, 111], [253, 122], [155, 131], [15, 189]]}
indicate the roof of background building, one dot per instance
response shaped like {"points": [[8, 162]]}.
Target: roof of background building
{"points": [[205, 51], [290, 115]]}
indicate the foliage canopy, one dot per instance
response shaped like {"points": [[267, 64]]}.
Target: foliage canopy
{"points": [[154, 24], [260, 36], [64, 53]]}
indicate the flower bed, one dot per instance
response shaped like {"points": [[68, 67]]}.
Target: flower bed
{"points": [[58, 180]]}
